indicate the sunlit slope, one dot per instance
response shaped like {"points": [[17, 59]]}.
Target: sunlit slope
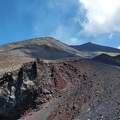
{"points": [[44, 48]]}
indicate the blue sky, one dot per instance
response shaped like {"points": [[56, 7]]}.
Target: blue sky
{"points": [[71, 21]]}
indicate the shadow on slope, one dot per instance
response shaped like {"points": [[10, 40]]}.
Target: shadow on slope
{"points": [[107, 59], [96, 48], [44, 48], [43, 52]]}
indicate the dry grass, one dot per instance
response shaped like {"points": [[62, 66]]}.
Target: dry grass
{"points": [[12, 63]]}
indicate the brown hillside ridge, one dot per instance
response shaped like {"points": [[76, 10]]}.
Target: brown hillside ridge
{"points": [[43, 47], [72, 90]]}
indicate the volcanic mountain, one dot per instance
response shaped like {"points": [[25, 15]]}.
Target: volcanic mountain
{"points": [[94, 47], [14, 54], [47, 80], [90, 49], [44, 48], [104, 58]]}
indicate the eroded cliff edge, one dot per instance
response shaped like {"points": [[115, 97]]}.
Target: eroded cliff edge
{"points": [[36, 83], [71, 90], [17, 91]]}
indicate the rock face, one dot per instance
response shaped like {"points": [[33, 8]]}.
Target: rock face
{"points": [[17, 90], [61, 90]]}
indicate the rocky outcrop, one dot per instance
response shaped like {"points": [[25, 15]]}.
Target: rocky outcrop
{"points": [[35, 83], [17, 90], [60, 90]]}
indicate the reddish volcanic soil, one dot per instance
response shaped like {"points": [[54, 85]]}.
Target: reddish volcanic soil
{"points": [[77, 90]]}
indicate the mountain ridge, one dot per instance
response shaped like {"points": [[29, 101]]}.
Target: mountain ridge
{"points": [[44, 47], [94, 47]]}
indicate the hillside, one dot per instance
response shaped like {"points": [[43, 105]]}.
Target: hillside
{"points": [[14, 54], [44, 47], [107, 59], [68, 90], [95, 47], [91, 50]]}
